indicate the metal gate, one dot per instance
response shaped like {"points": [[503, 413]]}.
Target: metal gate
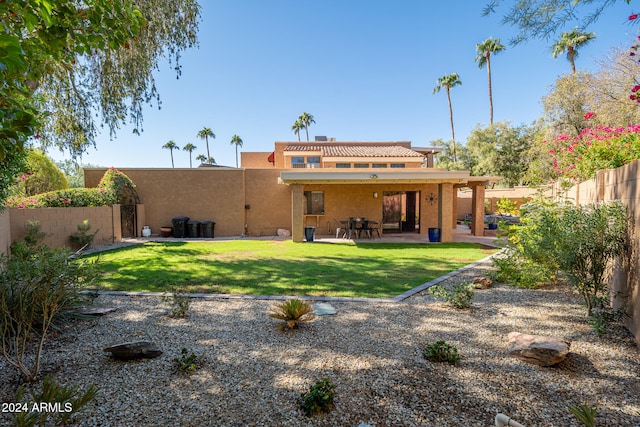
{"points": [[128, 220]]}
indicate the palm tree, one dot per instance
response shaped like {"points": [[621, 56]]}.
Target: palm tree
{"points": [[189, 147], [171, 146], [297, 127], [201, 157], [205, 133], [235, 139], [306, 120], [569, 42], [447, 82], [485, 49]]}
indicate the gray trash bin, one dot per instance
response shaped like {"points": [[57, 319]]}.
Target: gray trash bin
{"points": [[309, 233]]}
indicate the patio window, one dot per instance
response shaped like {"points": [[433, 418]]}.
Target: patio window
{"points": [[314, 203], [343, 165], [379, 165], [297, 162], [397, 165], [361, 165], [313, 162]]}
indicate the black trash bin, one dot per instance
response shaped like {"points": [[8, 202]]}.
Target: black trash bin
{"points": [[206, 228], [194, 228], [180, 226], [309, 233]]}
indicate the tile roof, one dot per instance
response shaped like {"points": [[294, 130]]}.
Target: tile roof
{"points": [[356, 150]]}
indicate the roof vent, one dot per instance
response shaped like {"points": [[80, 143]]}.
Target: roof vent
{"points": [[321, 138]]}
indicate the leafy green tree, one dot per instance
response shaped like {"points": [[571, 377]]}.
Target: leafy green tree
{"points": [[447, 82], [66, 64], [171, 146], [540, 19], [484, 51], [237, 141], [42, 175], [189, 147], [444, 159], [297, 127], [306, 119], [205, 133], [565, 105], [569, 42]]}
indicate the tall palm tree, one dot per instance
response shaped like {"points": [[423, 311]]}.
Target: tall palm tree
{"points": [[235, 139], [171, 146], [569, 42], [447, 82], [306, 120], [205, 133], [201, 157], [297, 127], [485, 49], [189, 147]]}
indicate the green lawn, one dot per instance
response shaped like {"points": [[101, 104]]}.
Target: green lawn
{"points": [[259, 267]]}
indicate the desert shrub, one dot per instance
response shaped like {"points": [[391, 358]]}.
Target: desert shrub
{"points": [[319, 398], [585, 414], [67, 401], [39, 287], [506, 206], [187, 361], [459, 295], [177, 301], [82, 238], [516, 270], [68, 198], [440, 351], [293, 312]]}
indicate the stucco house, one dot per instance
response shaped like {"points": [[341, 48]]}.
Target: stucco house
{"points": [[316, 183]]}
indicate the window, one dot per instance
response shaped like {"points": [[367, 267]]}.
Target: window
{"points": [[379, 165], [297, 162], [343, 165], [397, 165], [361, 165], [313, 160], [314, 203]]}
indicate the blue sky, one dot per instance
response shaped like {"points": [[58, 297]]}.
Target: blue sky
{"points": [[364, 69]]}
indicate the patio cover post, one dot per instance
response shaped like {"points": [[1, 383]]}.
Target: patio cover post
{"points": [[445, 211], [297, 213], [477, 210]]}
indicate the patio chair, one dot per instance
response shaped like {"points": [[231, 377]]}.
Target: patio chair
{"points": [[376, 227], [352, 229], [339, 228]]}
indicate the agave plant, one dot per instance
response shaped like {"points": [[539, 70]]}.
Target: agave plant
{"points": [[293, 312]]}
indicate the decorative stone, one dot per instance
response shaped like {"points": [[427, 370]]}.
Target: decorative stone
{"points": [[134, 350], [283, 232], [482, 282], [96, 311], [537, 350], [323, 308]]}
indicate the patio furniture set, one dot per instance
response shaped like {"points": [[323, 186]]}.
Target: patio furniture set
{"points": [[358, 227]]}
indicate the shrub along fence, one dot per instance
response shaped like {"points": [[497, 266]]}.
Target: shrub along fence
{"points": [[621, 184]]}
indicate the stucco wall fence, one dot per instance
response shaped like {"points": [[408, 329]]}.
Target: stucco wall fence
{"points": [[60, 223]]}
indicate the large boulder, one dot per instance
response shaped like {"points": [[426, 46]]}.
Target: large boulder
{"points": [[134, 350], [538, 350]]}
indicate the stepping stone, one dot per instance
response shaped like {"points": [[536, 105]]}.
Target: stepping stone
{"points": [[96, 311], [134, 350], [323, 308]]}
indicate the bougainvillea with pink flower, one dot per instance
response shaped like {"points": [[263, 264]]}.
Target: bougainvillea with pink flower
{"points": [[600, 147]]}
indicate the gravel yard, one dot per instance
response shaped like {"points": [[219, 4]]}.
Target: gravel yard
{"points": [[253, 374]]}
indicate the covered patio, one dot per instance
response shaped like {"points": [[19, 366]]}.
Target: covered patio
{"points": [[321, 198]]}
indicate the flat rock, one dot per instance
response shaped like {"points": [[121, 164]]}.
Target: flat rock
{"points": [[536, 349], [96, 311], [283, 232], [482, 282], [134, 350], [323, 308]]}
